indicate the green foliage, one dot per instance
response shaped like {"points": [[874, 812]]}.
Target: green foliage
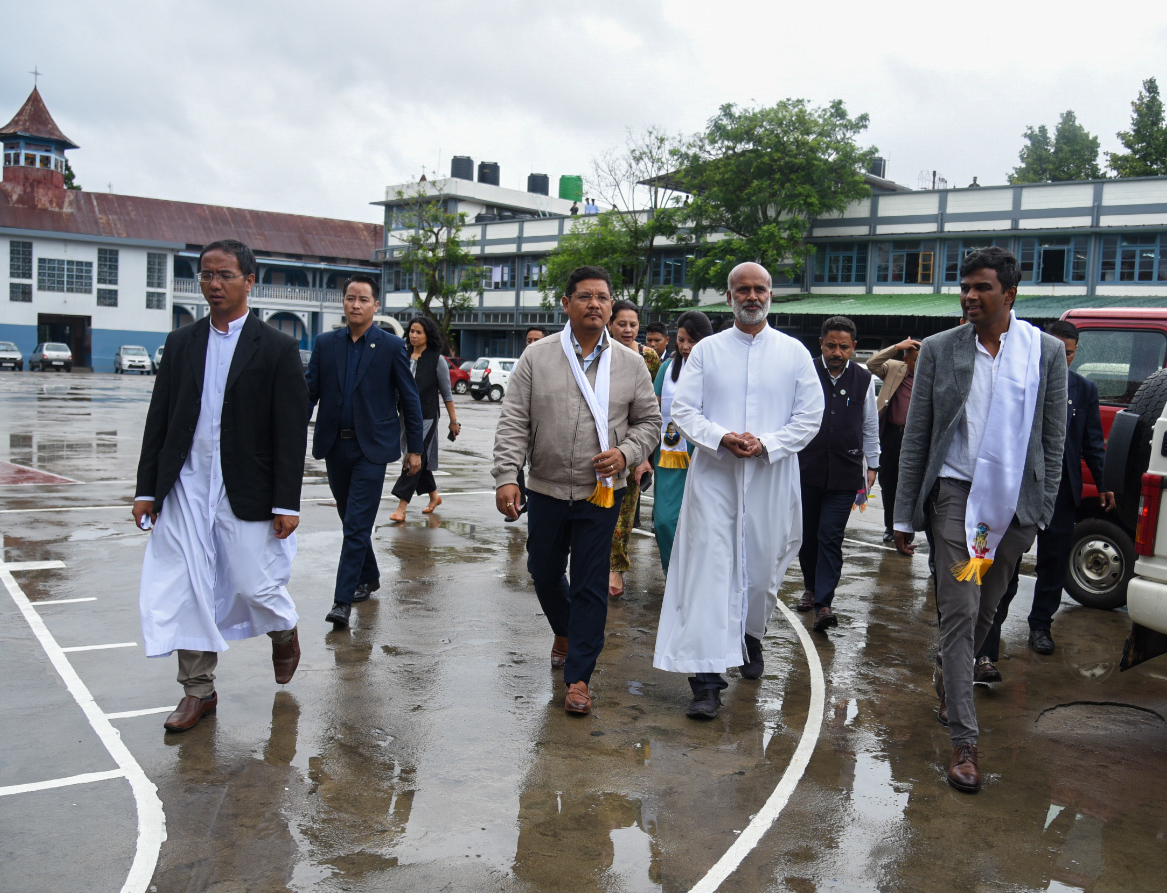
{"points": [[758, 176], [1146, 141], [444, 272], [70, 179], [1072, 154]]}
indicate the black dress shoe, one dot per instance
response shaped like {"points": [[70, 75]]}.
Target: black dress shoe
{"points": [[1041, 641], [889, 537], [364, 590], [704, 704], [338, 616], [755, 665]]}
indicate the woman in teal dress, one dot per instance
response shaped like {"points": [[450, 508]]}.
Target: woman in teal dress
{"points": [[672, 461]]}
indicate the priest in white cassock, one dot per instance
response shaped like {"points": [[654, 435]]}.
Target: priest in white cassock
{"points": [[219, 481], [749, 399]]}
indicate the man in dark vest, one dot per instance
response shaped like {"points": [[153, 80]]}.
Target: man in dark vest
{"points": [[831, 466]]}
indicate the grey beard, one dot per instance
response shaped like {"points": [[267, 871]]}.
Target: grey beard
{"points": [[750, 317]]}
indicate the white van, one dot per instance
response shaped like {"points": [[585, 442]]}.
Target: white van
{"points": [[497, 373]]}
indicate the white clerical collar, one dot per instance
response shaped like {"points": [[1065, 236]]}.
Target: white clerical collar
{"points": [[232, 327], [746, 336]]}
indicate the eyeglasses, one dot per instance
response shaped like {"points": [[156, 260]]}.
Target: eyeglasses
{"points": [[207, 276], [587, 298]]}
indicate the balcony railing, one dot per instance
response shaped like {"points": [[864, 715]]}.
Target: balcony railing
{"points": [[293, 294]]}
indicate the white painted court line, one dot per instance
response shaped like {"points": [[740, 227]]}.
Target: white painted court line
{"points": [[61, 782], [63, 479], [151, 818], [848, 539], [35, 565], [766, 816], [127, 714], [71, 508], [63, 601], [98, 647]]}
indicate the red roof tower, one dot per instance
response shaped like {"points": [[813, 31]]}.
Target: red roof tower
{"points": [[33, 140]]}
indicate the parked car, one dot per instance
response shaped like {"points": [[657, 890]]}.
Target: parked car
{"points": [[459, 375], [158, 357], [489, 377], [11, 357], [51, 355], [132, 358], [1118, 349]]}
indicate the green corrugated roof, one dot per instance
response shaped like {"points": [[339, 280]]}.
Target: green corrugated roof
{"points": [[930, 304]]}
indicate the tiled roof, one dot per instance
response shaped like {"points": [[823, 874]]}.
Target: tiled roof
{"points": [[34, 120]]}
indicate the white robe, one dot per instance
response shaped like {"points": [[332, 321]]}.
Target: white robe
{"points": [[741, 519], [207, 576]]}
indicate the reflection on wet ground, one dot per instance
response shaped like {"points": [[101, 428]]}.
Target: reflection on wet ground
{"points": [[426, 747]]}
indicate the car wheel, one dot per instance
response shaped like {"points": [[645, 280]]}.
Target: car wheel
{"points": [[461, 387], [477, 395], [496, 393], [1102, 561]]}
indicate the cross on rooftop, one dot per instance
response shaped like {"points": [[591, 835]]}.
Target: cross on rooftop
{"points": [[35, 75]]}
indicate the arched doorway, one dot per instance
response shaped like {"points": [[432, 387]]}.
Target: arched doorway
{"points": [[181, 317], [290, 324]]}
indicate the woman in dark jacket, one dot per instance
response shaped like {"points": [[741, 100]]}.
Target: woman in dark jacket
{"points": [[432, 374]]}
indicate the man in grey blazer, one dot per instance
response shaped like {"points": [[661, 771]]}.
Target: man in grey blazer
{"points": [[946, 433]]}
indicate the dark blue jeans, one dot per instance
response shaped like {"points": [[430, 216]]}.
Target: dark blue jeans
{"points": [[357, 484], [824, 519], [559, 529]]}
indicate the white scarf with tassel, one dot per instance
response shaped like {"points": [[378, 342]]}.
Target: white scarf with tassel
{"points": [[597, 400]]}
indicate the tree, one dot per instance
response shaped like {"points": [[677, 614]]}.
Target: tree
{"points": [[1071, 155], [70, 179], [443, 273], [645, 211], [1146, 141], [758, 176]]}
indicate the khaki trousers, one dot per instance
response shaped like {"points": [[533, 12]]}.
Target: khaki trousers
{"points": [[196, 669]]}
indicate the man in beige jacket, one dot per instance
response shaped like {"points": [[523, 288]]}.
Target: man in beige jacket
{"points": [[898, 377], [547, 416]]}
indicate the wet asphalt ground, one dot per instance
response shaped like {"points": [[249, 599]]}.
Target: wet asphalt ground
{"points": [[426, 748]]}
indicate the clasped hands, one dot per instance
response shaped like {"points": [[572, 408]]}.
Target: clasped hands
{"points": [[744, 446]]}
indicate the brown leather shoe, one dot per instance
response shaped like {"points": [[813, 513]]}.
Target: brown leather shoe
{"points": [[963, 773], [806, 602], [579, 699], [189, 711], [558, 652], [285, 658], [824, 618], [985, 671]]}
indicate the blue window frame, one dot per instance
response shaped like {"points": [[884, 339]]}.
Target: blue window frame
{"points": [[1053, 259], [844, 263], [1132, 257], [955, 250], [908, 263], [672, 268]]}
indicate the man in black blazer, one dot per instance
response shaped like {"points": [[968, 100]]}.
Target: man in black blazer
{"points": [[360, 375], [1084, 443], [219, 481]]}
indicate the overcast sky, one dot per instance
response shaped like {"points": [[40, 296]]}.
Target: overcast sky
{"points": [[315, 108]]}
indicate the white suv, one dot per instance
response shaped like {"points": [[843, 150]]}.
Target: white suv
{"points": [[497, 373], [132, 358]]}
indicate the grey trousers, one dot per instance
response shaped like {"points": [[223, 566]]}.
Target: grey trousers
{"points": [[966, 610], [196, 669]]}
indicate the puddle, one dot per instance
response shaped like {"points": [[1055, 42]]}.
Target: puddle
{"points": [[1099, 718]]}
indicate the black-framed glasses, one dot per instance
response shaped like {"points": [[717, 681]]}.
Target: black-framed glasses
{"points": [[207, 276]]}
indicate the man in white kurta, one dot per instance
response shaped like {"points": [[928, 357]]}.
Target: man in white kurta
{"points": [[749, 399]]}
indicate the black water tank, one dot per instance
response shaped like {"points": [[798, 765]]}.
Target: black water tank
{"points": [[488, 172], [462, 167], [878, 168], [540, 184]]}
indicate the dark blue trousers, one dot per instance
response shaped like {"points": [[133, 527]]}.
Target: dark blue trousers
{"points": [[356, 483], [824, 519], [579, 609]]}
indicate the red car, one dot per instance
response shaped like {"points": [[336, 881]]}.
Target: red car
{"points": [[459, 376]]}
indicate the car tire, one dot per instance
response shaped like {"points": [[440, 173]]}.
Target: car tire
{"points": [[496, 393], [1102, 561], [477, 395], [461, 387]]}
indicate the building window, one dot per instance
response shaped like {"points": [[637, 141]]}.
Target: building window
{"points": [[671, 268], [534, 269], [21, 292], [107, 267], [955, 250], [498, 275], [155, 270], [155, 300], [72, 276], [1134, 258], [20, 260], [841, 262], [397, 279], [1053, 259], [905, 263], [107, 297]]}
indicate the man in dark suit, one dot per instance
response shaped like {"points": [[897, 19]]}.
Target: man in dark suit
{"points": [[1084, 443], [360, 375], [219, 480], [984, 438]]}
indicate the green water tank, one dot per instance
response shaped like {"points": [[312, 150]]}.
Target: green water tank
{"points": [[571, 188]]}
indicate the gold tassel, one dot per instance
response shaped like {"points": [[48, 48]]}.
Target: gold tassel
{"points": [[674, 459], [973, 570], [602, 496]]}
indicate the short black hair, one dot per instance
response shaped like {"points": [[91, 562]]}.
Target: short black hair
{"points": [[993, 258], [622, 305], [1063, 328], [545, 332], [659, 327], [368, 280], [580, 274], [241, 253], [839, 324]]}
